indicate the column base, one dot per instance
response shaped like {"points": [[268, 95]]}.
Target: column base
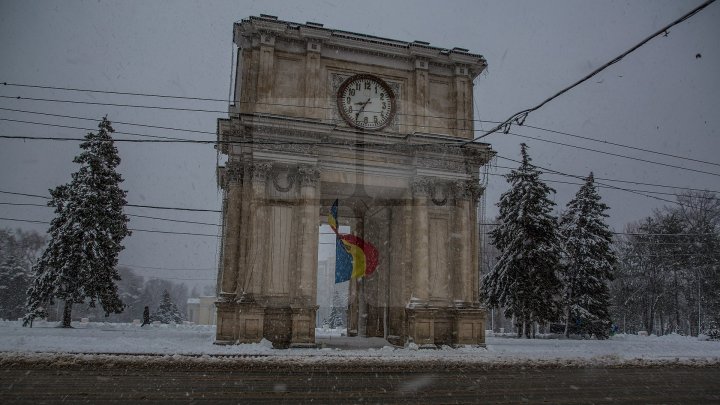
{"points": [[438, 326], [469, 328], [238, 322], [243, 322]]}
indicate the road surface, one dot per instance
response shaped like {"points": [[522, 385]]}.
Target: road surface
{"points": [[296, 384]]}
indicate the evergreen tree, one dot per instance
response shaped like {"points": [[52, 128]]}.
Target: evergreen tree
{"points": [[18, 250], [167, 311], [525, 278], [86, 234], [337, 312], [14, 280], [589, 263]]}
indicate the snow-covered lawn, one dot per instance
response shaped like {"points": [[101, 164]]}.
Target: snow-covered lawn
{"points": [[198, 340]]}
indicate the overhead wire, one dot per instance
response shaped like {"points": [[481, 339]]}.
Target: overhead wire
{"points": [[127, 205], [90, 129], [113, 121], [611, 187], [520, 117], [612, 154], [131, 229], [638, 183], [184, 140], [582, 178], [404, 114]]}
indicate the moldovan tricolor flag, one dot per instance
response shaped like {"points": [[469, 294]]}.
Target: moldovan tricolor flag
{"points": [[353, 256]]}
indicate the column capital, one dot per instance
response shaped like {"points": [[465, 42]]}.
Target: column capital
{"points": [[259, 171], [420, 186], [309, 175], [468, 190], [233, 173]]}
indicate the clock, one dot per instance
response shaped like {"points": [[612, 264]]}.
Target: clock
{"points": [[366, 102]]}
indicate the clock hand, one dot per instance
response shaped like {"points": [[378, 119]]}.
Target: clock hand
{"points": [[361, 109]]}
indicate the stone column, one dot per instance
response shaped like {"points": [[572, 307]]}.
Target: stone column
{"points": [[257, 242], [420, 256], [469, 327], [464, 259], [309, 177], [475, 191], [231, 231]]}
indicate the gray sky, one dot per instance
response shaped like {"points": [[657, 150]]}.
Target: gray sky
{"points": [[662, 97]]}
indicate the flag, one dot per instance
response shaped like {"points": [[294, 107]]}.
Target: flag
{"points": [[354, 257], [343, 259]]}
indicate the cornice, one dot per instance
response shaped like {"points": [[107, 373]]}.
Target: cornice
{"points": [[251, 26]]}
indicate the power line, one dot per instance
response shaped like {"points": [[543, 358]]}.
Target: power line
{"points": [[303, 106], [124, 93], [166, 268], [115, 104], [519, 117], [172, 220], [202, 99], [662, 234], [611, 187], [641, 234], [631, 182], [177, 278], [127, 205], [131, 229], [114, 121], [443, 127], [24, 204], [611, 154], [184, 140], [173, 208], [622, 145], [90, 129], [215, 142], [287, 105], [582, 178], [24, 194]]}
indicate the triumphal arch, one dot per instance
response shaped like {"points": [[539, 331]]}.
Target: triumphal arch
{"points": [[320, 114]]}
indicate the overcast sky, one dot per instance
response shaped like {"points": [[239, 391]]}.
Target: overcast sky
{"points": [[664, 97]]}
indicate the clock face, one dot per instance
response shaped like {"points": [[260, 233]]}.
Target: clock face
{"points": [[366, 102]]}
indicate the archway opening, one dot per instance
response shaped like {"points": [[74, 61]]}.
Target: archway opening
{"points": [[331, 297]]}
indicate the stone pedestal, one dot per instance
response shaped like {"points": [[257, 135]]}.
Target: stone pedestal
{"points": [[469, 328], [421, 325], [239, 323], [303, 327], [278, 327], [436, 326]]}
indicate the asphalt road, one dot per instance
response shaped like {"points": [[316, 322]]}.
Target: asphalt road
{"points": [[682, 385]]}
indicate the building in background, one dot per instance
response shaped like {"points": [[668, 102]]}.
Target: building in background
{"points": [[201, 310]]}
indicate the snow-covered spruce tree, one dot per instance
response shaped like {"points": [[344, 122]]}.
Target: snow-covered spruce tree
{"points": [[589, 263], [167, 311], [18, 251], [79, 262], [337, 312], [14, 280], [525, 278]]}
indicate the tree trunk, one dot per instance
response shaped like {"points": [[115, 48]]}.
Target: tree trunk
{"points": [[67, 312], [567, 315], [567, 321]]}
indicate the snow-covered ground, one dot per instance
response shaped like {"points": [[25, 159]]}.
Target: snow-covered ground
{"points": [[198, 340]]}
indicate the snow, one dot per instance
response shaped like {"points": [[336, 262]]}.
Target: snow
{"points": [[45, 340]]}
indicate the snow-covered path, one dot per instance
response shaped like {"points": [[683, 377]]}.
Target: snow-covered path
{"points": [[198, 340]]}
